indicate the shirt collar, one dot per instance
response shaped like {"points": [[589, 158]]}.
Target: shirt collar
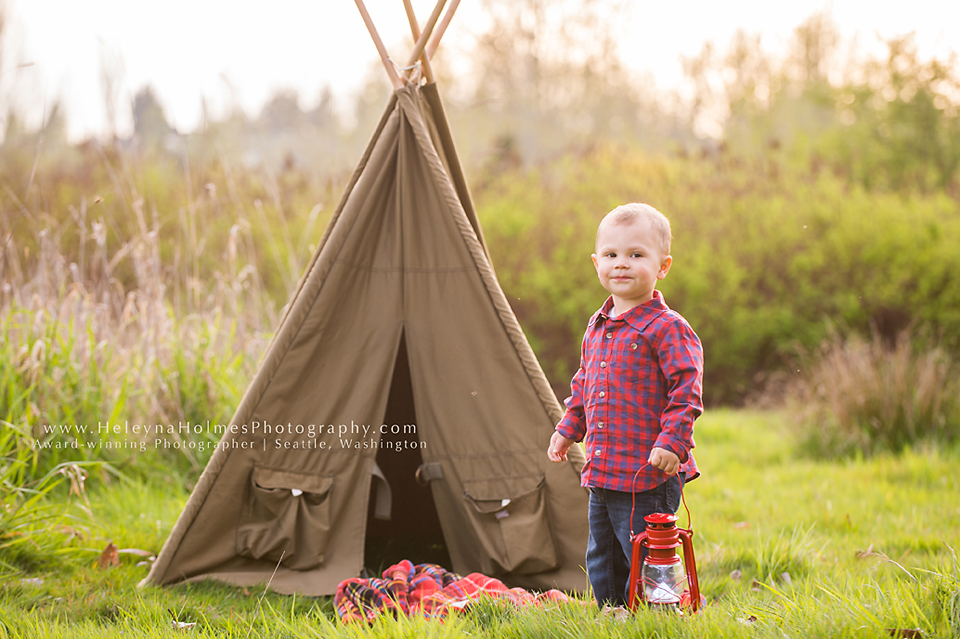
{"points": [[639, 316]]}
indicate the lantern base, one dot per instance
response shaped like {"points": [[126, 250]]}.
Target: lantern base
{"points": [[665, 608]]}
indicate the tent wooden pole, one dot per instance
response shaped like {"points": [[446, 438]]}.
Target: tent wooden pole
{"points": [[395, 78], [415, 30], [441, 28], [427, 30]]}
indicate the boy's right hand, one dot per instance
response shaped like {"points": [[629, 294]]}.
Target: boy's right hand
{"points": [[559, 445], [665, 460]]}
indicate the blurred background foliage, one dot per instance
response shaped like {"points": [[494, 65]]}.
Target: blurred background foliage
{"points": [[811, 193]]}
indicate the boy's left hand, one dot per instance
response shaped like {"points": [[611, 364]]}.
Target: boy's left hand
{"points": [[664, 460]]}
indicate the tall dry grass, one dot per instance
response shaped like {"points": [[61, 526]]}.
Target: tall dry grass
{"points": [[98, 327], [862, 394]]}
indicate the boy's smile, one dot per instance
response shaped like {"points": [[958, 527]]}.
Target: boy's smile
{"points": [[629, 262]]}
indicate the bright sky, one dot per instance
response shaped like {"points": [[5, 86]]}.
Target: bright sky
{"points": [[229, 51]]}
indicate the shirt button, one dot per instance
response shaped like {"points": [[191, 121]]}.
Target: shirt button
{"points": [[609, 335], [602, 393], [603, 364], [599, 424], [596, 453], [633, 346]]}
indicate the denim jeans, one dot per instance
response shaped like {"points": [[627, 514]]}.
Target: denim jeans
{"points": [[608, 546]]}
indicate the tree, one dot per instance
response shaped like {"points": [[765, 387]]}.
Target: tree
{"points": [[150, 126], [549, 76]]}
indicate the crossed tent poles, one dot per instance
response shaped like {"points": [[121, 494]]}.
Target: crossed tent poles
{"points": [[418, 64]]}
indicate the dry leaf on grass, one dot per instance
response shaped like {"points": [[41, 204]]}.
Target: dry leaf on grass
{"points": [[109, 557]]}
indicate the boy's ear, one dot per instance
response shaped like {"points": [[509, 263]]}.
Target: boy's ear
{"points": [[593, 256], [664, 267]]}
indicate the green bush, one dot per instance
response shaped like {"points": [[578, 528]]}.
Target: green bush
{"points": [[764, 252]]}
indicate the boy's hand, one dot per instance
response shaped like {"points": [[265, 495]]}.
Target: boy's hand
{"points": [[559, 445], [664, 460]]}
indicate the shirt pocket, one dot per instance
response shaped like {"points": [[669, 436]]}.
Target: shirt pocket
{"points": [[286, 519], [510, 518], [640, 370]]}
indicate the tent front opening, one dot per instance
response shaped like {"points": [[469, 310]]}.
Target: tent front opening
{"points": [[413, 530]]}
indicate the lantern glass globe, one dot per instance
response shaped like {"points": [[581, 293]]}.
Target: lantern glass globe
{"points": [[663, 583]]}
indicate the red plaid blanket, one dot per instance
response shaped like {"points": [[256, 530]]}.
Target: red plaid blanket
{"points": [[428, 590]]}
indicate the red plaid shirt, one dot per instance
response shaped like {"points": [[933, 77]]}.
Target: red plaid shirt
{"points": [[638, 387]]}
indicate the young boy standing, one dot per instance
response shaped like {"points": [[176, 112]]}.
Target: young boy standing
{"points": [[634, 398]]}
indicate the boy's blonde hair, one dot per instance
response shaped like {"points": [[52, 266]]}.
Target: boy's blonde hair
{"points": [[636, 211]]}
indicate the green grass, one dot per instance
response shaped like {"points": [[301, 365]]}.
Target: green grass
{"points": [[866, 545]]}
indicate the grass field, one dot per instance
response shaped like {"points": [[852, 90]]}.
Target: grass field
{"points": [[786, 547]]}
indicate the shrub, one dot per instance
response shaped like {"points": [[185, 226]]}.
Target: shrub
{"points": [[857, 394], [764, 252]]}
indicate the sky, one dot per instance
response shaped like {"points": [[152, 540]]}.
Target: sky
{"points": [[228, 52]]}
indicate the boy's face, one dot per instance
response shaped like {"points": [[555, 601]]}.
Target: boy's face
{"points": [[629, 261]]}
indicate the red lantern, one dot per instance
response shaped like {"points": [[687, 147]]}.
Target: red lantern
{"points": [[660, 578]]}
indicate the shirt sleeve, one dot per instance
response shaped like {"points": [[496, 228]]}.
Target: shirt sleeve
{"points": [[573, 425], [681, 360]]}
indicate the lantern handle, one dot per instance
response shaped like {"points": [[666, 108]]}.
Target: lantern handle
{"points": [[633, 507]]}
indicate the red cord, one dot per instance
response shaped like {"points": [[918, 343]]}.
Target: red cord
{"points": [[683, 499], [633, 495]]}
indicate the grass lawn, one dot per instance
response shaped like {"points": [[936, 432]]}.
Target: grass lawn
{"points": [[786, 547]]}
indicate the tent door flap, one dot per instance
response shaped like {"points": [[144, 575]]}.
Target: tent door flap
{"points": [[384, 500]]}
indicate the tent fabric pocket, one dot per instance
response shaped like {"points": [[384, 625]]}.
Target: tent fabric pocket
{"points": [[509, 515], [286, 518]]}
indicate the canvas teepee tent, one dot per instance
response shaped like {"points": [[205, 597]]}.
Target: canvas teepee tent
{"points": [[398, 384]]}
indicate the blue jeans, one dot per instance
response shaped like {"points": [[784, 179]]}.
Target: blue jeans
{"points": [[608, 547]]}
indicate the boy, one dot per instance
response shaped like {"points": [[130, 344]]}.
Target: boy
{"points": [[635, 397]]}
